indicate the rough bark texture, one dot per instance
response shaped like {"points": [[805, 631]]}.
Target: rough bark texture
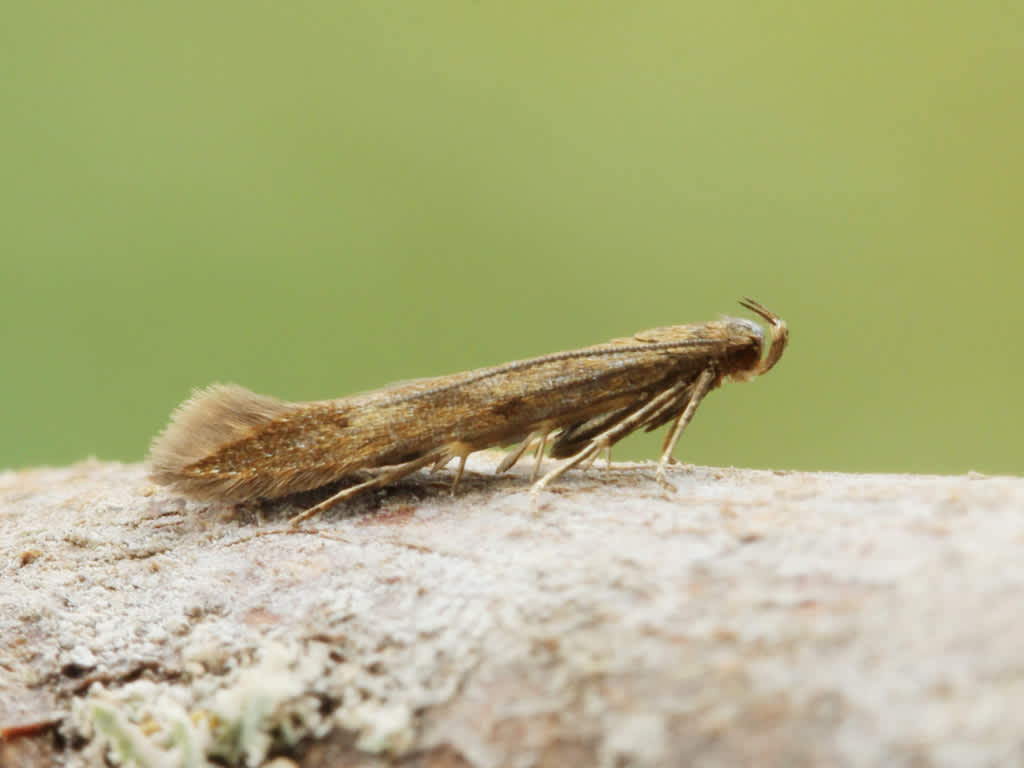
{"points": [[752, 617]]}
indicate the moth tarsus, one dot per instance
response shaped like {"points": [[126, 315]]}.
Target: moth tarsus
{"points": [[227, 444]]}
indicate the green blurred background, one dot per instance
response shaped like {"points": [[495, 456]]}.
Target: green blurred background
{"points": [[318, 198]]}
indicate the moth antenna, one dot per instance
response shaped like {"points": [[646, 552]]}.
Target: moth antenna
{"points": [[779, 331], [212, 417]]}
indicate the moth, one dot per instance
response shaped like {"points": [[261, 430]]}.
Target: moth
{"points": [[228, 444]]}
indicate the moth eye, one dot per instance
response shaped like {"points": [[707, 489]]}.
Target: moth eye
{"points": [[748, 325]]}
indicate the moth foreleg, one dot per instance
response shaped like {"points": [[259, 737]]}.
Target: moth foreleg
{"points": [[700, 389], [609, 436]]}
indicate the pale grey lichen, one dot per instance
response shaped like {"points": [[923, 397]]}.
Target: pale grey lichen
{"points": [[239, 718]]}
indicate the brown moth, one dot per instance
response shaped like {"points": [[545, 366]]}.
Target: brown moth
{"points": [[228, 444]]}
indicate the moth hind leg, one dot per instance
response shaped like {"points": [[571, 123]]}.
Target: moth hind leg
{"points": [[536, 441], [539, 455], [516, 453], [454, 450], [458, 472], [387, 477], [575, 437]]}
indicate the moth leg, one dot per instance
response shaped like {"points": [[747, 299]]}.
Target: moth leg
{"points": [[609, 436], [593, 459], [458, 472], [700, 389], [539, 456], [386, 477], [515, 454]]}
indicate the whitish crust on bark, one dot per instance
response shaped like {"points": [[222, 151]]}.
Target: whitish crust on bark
{"points": [[750, 618]]}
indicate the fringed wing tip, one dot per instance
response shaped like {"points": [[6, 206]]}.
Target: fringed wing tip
{"points": [[210, 418]]}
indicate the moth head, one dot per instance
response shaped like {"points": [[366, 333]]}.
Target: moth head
{"points": [[742, 346], [779, 332]]}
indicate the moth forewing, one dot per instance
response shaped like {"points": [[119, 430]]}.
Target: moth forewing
{"points": [[228, 444]]}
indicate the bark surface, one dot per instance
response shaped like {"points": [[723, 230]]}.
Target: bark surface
{"points": [[752, 617]]}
